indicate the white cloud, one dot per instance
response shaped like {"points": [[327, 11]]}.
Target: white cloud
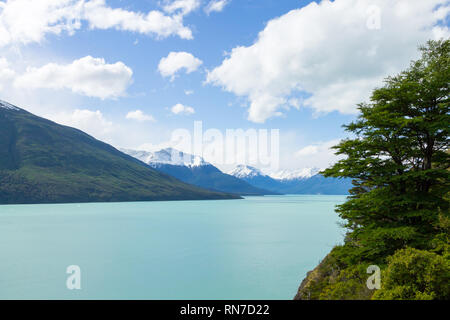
{"points": [[329, 52], [140, 116], [105, 127], [319, 155], [182, 109], [294, 102], [188, 92], [184, 6], [91, 122], [88, 76], [26, 21], [176, 61], [216, 6], [308, 151], [6, 73], [101, 16], [151, 147]]}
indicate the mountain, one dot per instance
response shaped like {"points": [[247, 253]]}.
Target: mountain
{"points": [[195, 170], [305, 181], [245, 172], [256, 178], [167, 156], [316, 184], [44, 162], [305, 173]]}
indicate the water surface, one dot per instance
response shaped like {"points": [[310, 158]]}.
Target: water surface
{"points": [[256, 248]]}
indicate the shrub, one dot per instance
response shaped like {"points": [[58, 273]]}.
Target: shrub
{"points": [[415, 275]]}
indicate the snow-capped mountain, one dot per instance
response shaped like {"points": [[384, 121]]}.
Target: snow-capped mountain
{"points": [[255, 177], [304, 181], [244, 171], [305, 173], [168, 156], [195, 170], [6, 105]]}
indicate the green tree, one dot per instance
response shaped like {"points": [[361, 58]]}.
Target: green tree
{"points": [[398, 160]]}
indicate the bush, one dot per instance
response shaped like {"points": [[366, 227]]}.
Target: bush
{"points": [[415, 275], [349, 284]]}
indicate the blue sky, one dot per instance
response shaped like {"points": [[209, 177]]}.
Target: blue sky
{"points": [[325, 56]]}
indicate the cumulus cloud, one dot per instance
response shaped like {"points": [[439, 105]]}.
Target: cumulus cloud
{"points": [[176, 61], [183, 6], [152, 147], [319, 155], [91, 122], [140, 116], [88, 76], [308, 151], [330, 53], [216, 6], [6, 73], [182, 109], [155, 22], [26, 21]]}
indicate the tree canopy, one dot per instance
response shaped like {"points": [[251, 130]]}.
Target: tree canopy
{"points": [[398, 159]]}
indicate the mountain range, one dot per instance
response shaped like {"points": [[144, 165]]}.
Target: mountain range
{"points": [[305, 181], [44, 162], [195, 170], [243, 180]]}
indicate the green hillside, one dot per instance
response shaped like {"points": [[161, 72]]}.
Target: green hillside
{"points": [[43, 162]]}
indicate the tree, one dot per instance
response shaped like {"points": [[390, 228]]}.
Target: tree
{"points": [[398, 160]]}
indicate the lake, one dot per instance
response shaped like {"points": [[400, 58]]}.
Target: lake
{"points": [[256, 248]]}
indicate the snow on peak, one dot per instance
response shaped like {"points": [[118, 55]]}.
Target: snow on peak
{"points": [[167, 156], [305, 173], [244, 171], [9, 106]]}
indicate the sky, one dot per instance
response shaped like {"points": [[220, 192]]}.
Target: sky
{"points": [[130, 73]]}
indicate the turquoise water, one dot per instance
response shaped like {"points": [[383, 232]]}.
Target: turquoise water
{"points": [[257, 248]]}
